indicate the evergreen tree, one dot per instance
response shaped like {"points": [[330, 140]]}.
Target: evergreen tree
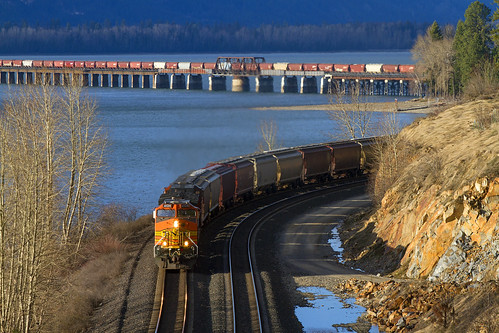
{"points": [[435, 32], [472, 43]]}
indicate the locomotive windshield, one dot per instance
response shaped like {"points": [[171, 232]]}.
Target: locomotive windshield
{"points": [[165, 213], [188, 214]]}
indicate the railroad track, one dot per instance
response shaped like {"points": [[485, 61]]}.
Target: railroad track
{"points": [[249, 312], [240, 306], [172, 316]]}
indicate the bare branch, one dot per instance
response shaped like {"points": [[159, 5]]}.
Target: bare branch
{"points": [[268, 129]]}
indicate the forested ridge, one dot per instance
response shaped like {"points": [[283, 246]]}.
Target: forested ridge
{"points": [[171, 37], [250, 13]]}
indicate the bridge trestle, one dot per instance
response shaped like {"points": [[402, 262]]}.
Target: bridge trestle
{"points": [[305, 82]]}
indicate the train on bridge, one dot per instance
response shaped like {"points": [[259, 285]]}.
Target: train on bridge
{"points": [[223, 65], [373, 79]]}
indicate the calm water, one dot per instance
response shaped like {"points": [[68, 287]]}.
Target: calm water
{"points": [[156, 135]]}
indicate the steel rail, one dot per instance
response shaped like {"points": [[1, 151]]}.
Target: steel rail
{"points": [[186, 287], [311, 193], [156, 330], [183, 277]]}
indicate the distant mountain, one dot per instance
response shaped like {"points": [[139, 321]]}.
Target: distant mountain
{"points": [[243, 12]]}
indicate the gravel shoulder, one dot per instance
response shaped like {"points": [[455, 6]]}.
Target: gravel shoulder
{"points": [[127, 307]]}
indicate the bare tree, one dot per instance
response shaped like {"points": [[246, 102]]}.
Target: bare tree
{"points": [[27, 198], [350, 110], [392, 152], [41, 128], [268, 129], [434, 59], [84, 145]]}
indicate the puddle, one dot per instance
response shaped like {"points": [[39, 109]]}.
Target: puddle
{"points": [[335, 243], [329, 313]]}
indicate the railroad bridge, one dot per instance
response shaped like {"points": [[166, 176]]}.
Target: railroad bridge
{"points": [[371, 79]]}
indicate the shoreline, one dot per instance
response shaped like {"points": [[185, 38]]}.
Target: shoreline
{"points": [[411, 106]]}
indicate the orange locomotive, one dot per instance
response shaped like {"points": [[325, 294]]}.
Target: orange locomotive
{"points": [[176, 234]]}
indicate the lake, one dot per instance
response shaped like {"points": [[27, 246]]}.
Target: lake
{"points": [[157, 135]]}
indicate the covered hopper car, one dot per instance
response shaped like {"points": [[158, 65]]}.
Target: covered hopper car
{"points": [[193, 198]]}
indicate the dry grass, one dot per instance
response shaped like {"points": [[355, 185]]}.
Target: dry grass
{"points": [[94, 270], [393, 155], [474, 310], [85, 291], [483, 83], [451, 148]]}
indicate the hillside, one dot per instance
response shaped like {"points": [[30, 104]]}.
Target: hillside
{"points": [[251, 13], [438, 223], [444, 208]]}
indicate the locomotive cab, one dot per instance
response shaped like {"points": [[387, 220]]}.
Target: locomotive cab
{"points": [[176, 233]]}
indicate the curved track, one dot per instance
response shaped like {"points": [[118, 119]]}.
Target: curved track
{"points": [[173, 309], [248, 298]]}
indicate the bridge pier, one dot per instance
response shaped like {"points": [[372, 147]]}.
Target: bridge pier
{"points": [[194, 82], [21, 78], [289, 84], [56, 80], [67, 79], [95, 80], [363, 86], [326, 85], [85, 80], [405, 88], [47, 78], [135, 81], [115, 80], [390, 90], [177, 81], [74, 79], [29, 77], [160, 81], [217, 83], [125, 81], [146, 81], [345, 85], [24, 77], [240, 84], [375, 87], [308, 85], [104, 80], [264, 84], [13, 78], [38, 78]]}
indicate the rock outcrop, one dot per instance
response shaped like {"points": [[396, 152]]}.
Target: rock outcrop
{"points": [[442, 213], [427, 307], [448, 236]]}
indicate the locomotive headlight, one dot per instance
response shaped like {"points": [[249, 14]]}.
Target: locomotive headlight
{"points": [[175, 224], [164, 243], [186, 243]]}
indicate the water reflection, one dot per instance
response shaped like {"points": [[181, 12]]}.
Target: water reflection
{"points": [[329, 313]]}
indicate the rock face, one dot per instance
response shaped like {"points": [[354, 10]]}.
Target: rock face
{"points": [[452, 237], [444, 208]]}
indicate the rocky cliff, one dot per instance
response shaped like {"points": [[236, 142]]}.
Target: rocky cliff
{"points": [[441, 216]]}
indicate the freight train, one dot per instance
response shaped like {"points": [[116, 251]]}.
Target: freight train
{"points": [[195, 197], [223, 65]]}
